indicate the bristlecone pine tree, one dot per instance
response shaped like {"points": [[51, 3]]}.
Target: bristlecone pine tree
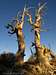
{"points": [[43, 62]]}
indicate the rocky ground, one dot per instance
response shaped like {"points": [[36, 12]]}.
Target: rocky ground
{"points": [[8, 66]]}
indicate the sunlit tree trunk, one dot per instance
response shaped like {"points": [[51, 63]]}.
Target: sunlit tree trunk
{"points": [[20, 36], [21, 45], [41, 54]]}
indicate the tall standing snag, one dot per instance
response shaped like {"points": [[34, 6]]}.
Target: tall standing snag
{"points": [[20, 37], [42, 54]]}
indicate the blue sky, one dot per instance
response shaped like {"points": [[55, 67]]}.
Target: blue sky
{"points": [[9, 9]]}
